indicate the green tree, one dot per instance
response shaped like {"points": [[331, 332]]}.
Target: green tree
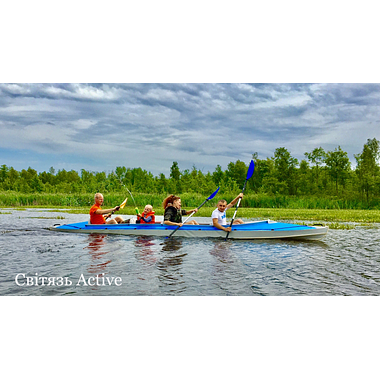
{"points": [[237, 173], [304, 178], [316, 157], [3, 173], [175, 172], [367, 168], [161, 184], [218, 175], [120, 172], [286, 174], [175, 176], [269, 181], [338, 166]]}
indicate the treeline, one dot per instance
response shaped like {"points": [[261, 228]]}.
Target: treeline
{"points": [[324, 178]]}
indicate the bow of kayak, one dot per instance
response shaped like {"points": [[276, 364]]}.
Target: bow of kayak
{"points": [[266, 229]]}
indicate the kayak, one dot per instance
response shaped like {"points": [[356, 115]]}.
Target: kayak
{"points": [[266, 229]]}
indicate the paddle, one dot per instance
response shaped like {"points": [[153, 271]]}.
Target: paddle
{"points": [[120, 207], [124, 203], [249, 175], [210, 197]]}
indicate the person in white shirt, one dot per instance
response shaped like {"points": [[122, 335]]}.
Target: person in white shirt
{"points": [[218, 216]]}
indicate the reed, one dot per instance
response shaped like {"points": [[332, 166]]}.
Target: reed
{"points": [[252, 206]]}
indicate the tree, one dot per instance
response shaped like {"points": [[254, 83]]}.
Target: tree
{"points": [[120, 172], [174, 171], [36, 184], [338, 166], [367, 168], [161, 184], [285, 166], [3, 173], [268, 172], [316, 157], [218, 175], [304, 179], [237, 172], [175, 176]]}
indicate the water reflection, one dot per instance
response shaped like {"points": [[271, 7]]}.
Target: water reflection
{"points": [[146, 252], [227, 272], [170, 245], [345, 262], [170, 266], [96, 247], [221, 251]]}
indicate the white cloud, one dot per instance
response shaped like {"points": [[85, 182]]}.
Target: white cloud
{"points": [[152, 125]]}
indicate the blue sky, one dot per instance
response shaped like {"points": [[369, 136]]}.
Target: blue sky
{"points": [[101, 126]]}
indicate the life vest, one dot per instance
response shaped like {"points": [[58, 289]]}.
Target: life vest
{"points": [[150, 213]]}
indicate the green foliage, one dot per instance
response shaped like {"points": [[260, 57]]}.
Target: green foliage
{"points": [[324, 180], [367, 168]]}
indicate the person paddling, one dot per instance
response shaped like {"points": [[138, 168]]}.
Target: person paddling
{"points": [[218, 216], [96, 212], [173, 212]]}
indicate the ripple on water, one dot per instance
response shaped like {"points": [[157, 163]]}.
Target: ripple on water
{"points": [[345, 262]]}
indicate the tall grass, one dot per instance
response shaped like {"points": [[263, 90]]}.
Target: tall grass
{"points": [[16, 199]]}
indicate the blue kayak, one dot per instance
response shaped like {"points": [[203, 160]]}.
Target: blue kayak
{"points": [[267, 229]]}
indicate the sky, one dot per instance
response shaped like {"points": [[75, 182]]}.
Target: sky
{"points": [[98, 127]]}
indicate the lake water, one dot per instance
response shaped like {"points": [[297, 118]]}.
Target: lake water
{"points": [[36, 261]]}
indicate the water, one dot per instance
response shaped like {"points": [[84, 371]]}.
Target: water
{"points": [[345, 262]]}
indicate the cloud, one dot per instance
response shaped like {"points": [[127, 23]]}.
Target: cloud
{"points": [[101, 126]]}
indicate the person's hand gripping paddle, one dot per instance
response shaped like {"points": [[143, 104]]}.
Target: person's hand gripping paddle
{"points": [[249, 175], [119, 207]]}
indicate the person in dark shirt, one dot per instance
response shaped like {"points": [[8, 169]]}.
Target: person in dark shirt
{"points": [[173, 212]]}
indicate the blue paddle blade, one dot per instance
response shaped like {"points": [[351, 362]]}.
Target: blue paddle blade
{"points": [[214, 193], [250, 170]]}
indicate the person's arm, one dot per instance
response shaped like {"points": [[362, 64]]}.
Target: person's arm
{"points": [[169, 223], [233, 203], [102, 212], [191, 211], [219, 226]]}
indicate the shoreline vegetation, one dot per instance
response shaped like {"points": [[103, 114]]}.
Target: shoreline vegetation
{"points": [[252, 206], [189, 200], [323, 187]]}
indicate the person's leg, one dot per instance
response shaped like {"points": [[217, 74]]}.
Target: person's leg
{"points": [[192, 222], [238, 221], [119, 219]]}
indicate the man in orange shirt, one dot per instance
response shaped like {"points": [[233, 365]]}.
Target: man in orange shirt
{"points": [[96, 212]]}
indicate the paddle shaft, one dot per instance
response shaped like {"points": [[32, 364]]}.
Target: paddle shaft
{"points": [[112, 212], [187, 219], [250, 171], [237, 206]]}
